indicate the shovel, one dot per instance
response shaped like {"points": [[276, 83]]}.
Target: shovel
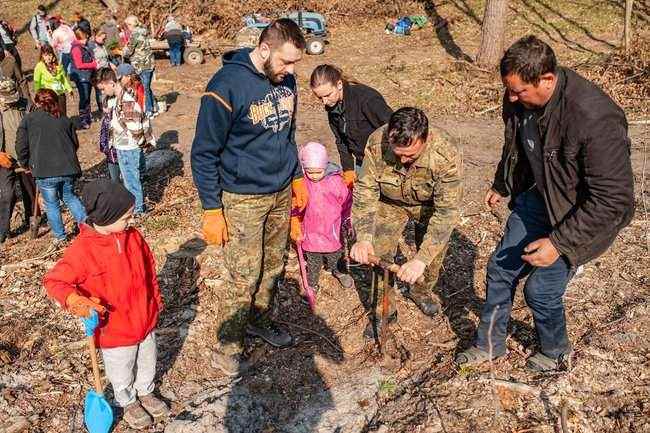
{"points": [[309, 292], [98, 414]]}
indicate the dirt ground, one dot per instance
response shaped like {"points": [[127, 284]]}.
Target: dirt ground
{"points": [[44, 366]]}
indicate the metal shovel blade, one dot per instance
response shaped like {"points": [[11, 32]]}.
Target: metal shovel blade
{"points": [[98, 414]]}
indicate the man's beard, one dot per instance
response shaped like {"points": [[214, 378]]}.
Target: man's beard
{"points": [[270, 73]]}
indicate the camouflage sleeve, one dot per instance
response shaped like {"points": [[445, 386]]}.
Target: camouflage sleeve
{"points": [[447, 195], [366, 191]]}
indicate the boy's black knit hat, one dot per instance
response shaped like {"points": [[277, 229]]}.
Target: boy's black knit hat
{"points": [[106, 201]]}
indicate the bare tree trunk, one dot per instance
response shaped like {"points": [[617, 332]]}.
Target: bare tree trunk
{"points": [[111, 4], [492, 33], [627, 32]]}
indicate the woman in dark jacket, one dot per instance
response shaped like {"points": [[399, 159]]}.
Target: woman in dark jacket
{"points": [[81, 70], [354, 112], [46, 144]]}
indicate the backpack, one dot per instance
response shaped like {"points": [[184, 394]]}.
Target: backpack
{"points": [[8, 90]]}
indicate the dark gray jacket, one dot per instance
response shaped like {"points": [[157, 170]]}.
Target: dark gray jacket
{"points": [[48, 145]]}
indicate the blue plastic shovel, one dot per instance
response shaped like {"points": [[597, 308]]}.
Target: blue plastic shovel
{"points": [[98, 414]]}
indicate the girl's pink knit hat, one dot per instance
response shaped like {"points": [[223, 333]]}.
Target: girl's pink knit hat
{"points": [[313, 155]]}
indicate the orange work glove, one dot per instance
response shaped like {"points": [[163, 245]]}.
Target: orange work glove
{"points": [[215, 230], [296, 229], [5, 160], [81, 305], [349, 177], [299, 194]]}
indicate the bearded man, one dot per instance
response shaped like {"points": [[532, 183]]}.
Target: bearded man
{"points": [[245, 166]]}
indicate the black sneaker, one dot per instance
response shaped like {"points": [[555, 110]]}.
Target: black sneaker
{"points": [[271, 333], [369, 332]]}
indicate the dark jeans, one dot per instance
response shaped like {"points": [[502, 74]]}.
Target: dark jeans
{"points": [[98, 99], [8, 178], [66, 60], [175, 52], [544, 287], [84, 89], [146, 77]]}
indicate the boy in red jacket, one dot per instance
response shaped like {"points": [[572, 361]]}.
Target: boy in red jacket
{"points": [[110, 268]]}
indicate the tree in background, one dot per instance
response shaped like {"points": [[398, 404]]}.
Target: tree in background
{"points": [[492, 33], [627, 32]]}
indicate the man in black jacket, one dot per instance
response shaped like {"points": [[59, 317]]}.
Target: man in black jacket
{"points": [[566, 165]]}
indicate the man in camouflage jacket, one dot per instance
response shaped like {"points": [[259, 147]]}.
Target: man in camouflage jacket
{"points": [[409, 172], [138, 50]]}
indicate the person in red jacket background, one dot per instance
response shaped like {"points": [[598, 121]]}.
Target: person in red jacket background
{"points": [[109, 268]]}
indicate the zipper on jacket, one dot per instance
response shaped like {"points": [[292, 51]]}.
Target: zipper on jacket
{"points": [[119, 247]]}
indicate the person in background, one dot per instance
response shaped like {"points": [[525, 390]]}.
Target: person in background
{"points": [[354, 111], [47, 144], [82, 68], [108, 83], [125, 73], [14, 99], [138, 50], [173, 32], [49, 74], [111, 29], [39, 27], [9, 39], [62, 39], [80, 22], [98, 46], [132, 134]]}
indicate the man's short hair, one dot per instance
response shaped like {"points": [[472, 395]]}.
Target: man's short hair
{"points": [[106, 75], [529, 58], [407, 124], [281, 31], [41, 8]]}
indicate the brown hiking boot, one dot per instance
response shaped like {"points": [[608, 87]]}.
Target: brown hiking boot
{"points": [[136, 417], [156, 407]]}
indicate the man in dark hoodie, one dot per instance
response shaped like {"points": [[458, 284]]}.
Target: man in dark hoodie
{"points": [[245, 167]]}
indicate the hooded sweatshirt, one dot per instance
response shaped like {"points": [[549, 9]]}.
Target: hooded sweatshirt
{"points": [[245, 133], [120, 270]]}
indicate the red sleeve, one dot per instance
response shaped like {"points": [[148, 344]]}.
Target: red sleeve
{"points": [[78, 61], [140, 96], [151, 271], [64, 278]]}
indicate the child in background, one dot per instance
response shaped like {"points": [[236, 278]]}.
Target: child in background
{"points": [[109, 268], [106, 82], [50, 74], [319, 226], [133, 134]]}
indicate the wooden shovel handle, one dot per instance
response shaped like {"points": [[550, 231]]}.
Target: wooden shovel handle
{"points": [[391, 267], [93, 358]]}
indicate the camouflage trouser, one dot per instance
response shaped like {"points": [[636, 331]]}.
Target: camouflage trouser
{"points": [[258, 231], [390, 223]]}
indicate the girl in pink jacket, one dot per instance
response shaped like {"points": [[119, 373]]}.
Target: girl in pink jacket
{"points": [[319, 226]]}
